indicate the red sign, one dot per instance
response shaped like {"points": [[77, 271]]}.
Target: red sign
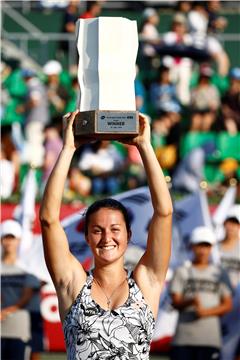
{"points": [[53, 333]]}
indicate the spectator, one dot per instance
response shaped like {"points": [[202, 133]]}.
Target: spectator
{"points": [[48, 4], [165, 151], [36, 117], [140, 94], [221, 82], [7, 175], [229, 249], [184, 7], [25, 214], [4, 71], [135, 174], [216, 23], [10, 162], [56, 92], [73, 95], [102, 162], [93, 10], [52, 146], [70, 17], [12, 96], [161, 126], [13, 92], [149, 33], [205, 101], [180, 67], [190, 171], [198, 23], [163, 94], [33, 306], [17, 290], [198, 19], [201, 295], [231, 103], [78, 183]]}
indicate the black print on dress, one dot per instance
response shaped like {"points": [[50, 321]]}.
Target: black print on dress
{"points": [[124, 333]]}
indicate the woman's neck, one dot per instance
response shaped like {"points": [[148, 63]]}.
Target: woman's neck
{"points": [[110, 273]]}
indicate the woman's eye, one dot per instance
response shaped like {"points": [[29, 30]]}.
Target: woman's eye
{"points": [[97, 231], [115, 230]]}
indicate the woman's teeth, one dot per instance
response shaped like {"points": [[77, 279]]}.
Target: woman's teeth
{"points": [[108, 247]]}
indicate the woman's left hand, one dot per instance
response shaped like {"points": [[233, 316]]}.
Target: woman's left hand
{"points": [[144, 135]]}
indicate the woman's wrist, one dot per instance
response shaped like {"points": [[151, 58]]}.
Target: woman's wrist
{"points": [[144, 145], [68, 148]]}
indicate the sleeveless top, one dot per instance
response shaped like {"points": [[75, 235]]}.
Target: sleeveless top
{"points": [[94, 333]]}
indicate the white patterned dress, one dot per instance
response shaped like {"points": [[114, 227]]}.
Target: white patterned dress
{"points": [[123, 333]]}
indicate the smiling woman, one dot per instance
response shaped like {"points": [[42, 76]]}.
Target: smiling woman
{"points": [[108, 312]]}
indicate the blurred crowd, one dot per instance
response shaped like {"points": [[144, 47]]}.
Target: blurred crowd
{"points": [[185, 84]]}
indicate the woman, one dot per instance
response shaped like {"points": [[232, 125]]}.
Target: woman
{"points": [[149, 33], [229, 251], [108, 313]]}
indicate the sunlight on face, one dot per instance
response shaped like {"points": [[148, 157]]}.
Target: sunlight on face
{"points": [[107, 235]]}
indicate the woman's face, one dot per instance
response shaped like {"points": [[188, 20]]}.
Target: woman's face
{"points": [[107, 235]]}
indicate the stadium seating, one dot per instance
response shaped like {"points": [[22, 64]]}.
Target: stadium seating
{"points": [[192, 140], [228, 146]]}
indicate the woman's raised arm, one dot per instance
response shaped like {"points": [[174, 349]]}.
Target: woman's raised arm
{"points": [[151, 270], [61, 264]]}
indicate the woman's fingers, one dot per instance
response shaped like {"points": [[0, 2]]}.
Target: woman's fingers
{"points": [[70, 117], [67, 115]]}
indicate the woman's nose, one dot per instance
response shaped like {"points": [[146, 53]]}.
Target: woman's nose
{"points": [[107, 235]]}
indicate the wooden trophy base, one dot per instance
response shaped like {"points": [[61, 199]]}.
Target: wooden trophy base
{"points": [[106, 125]]}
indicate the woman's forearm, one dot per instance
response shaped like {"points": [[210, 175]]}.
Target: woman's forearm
{"points": [[50, 209], [161, 199]]}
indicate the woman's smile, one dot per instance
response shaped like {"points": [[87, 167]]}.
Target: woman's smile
{"points": [[107, 247]]}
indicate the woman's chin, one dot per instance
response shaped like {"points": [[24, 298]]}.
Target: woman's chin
{"points": [[108, 255]]}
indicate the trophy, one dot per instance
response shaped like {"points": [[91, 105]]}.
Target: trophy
{"points": [[107, 48]]}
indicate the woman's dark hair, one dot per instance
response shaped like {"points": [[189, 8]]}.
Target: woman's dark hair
{"points": [[107, 204]]}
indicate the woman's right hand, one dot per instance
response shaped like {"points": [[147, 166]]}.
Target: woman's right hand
{"points": [[68, 132], [144, 135], [68, 136]]}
